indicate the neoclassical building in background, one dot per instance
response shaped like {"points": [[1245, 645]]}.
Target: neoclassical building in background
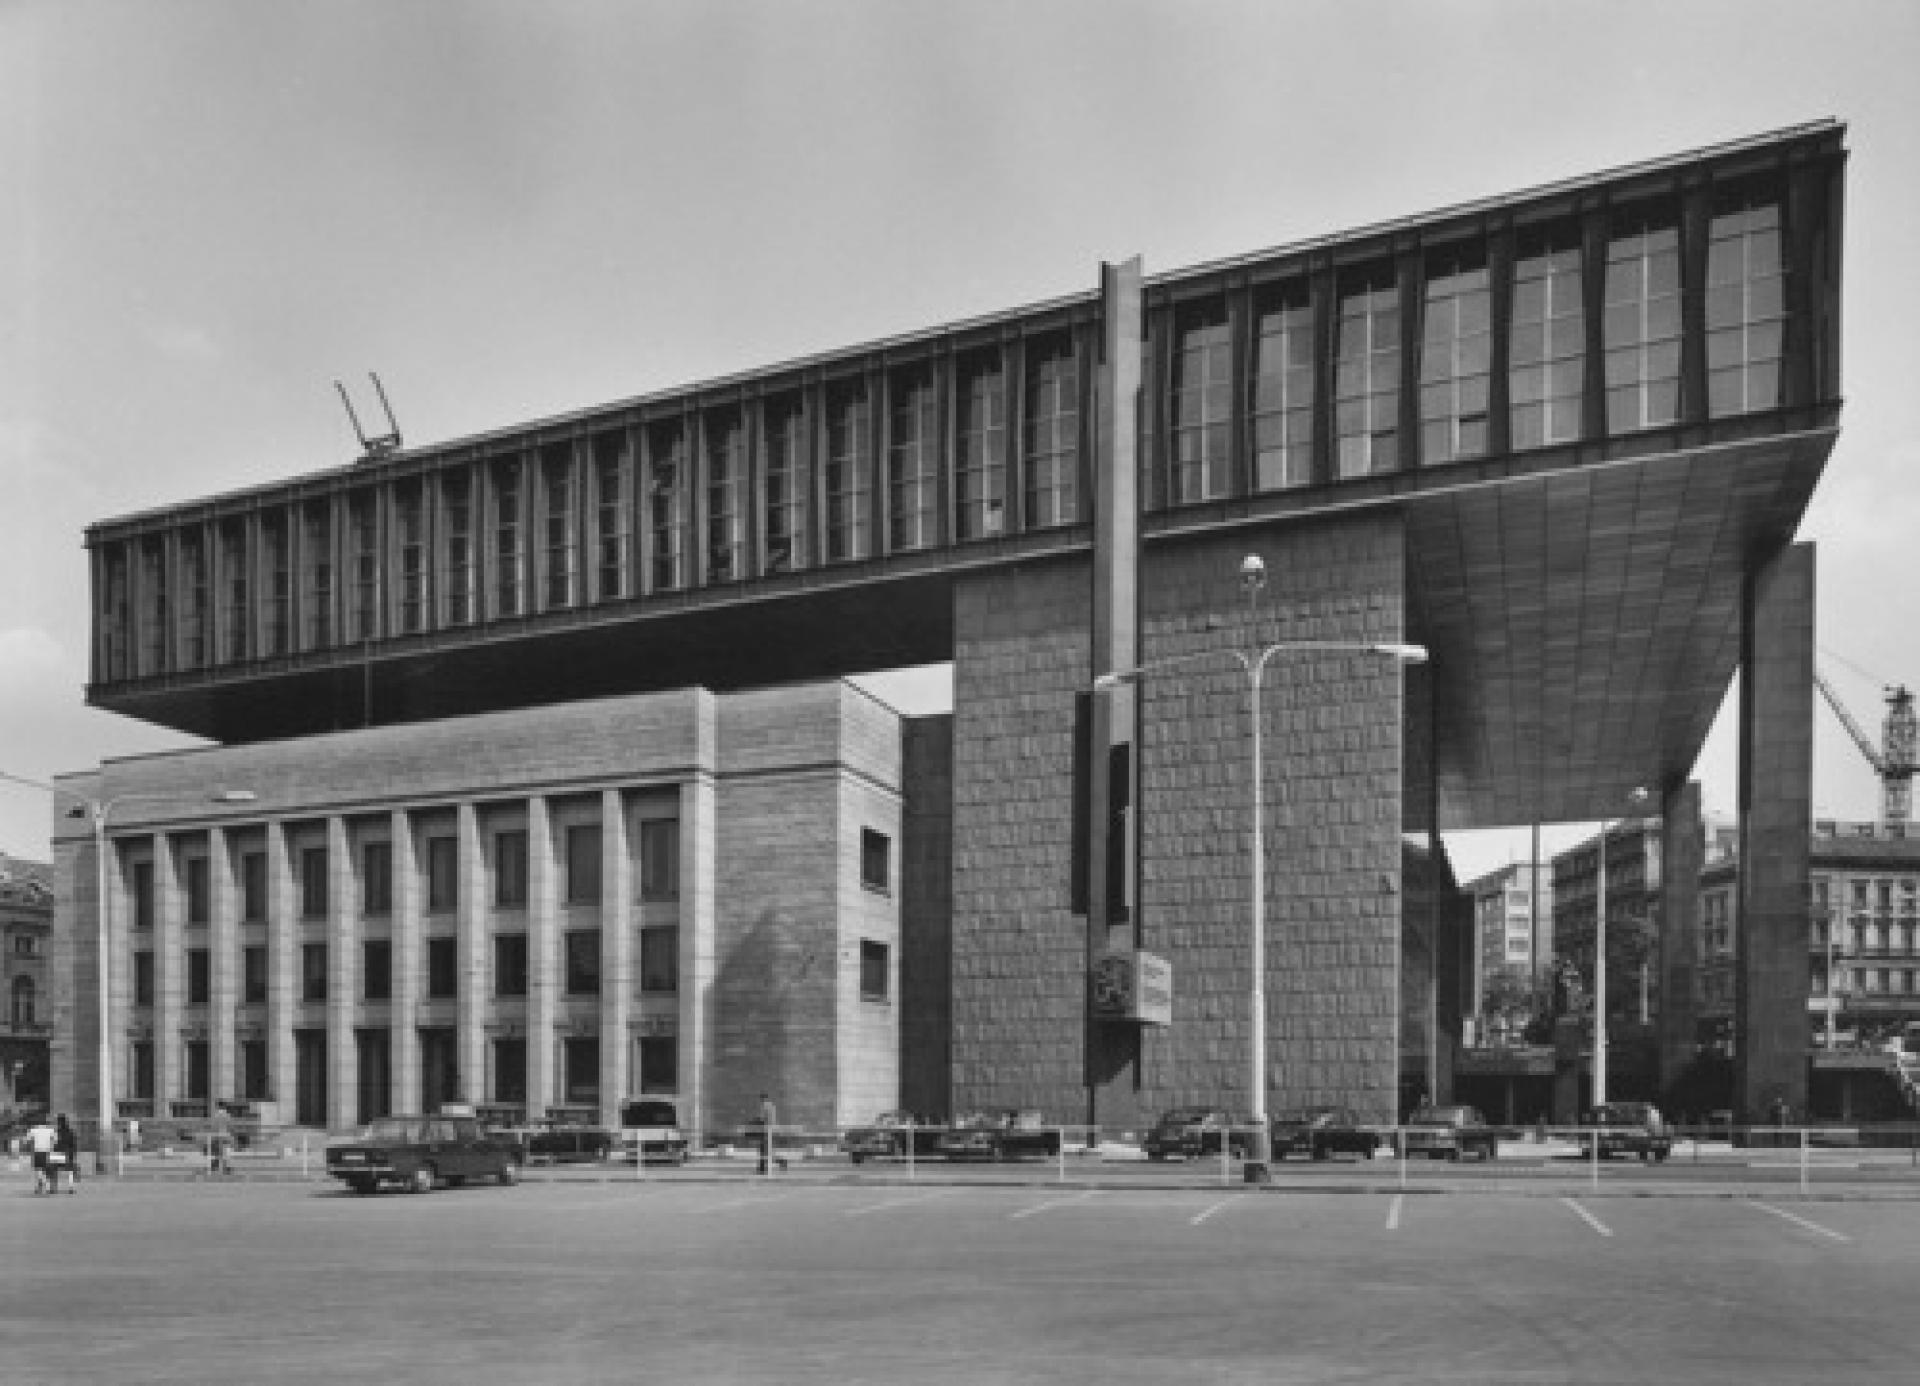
{"points": [[558, 797]]}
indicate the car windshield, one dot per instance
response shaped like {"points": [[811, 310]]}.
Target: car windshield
{"points": [[1185, 1116], [399, 1130]]}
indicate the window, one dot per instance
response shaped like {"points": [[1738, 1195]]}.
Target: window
{"points": [[154, 615], [612, 546], [236, 610], [196, 605], [313, 972], [848, 483], [1642, 323], [785, 501], [143, 1070], [253, 1070], [876, 867], [660, 859], [199, 976], [277, 619], [143, 978], [316, 559], [115, 616], [456, 548], [1746, 305], [313, 882], [510, 868], [659, 1063], [583, 864], [143, 895], [199, 1070], [556, 476], [912, 449], [363, 565], [22, 999], [376, 878], [443, 874], [1282, 393], [1548, 341], [582, 1083], [443, 974], [583, 963], [873, 970], [410, 524], [508, 551], [509, 1070], [199, 890], [1202, 403], [253, 974], [667, 505], [981, 462], [1053, 434], [660, 958], [510, 965], [376, 970], [253, 887], [1366, 424], [1456, 342], [726, 497]]}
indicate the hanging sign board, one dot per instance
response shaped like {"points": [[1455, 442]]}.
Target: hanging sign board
{"points": [[1133, 987]]}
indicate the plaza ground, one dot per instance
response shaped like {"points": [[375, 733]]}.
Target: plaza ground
{"points": [[984, 1276]]}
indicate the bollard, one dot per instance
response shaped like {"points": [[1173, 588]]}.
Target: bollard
{"points": [[1060, 1152], [910, 1164], [1803, 1162], [1400, 1144], [1595, 1148]]}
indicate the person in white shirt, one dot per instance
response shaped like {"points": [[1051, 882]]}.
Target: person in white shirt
{"points": [[40, 1143]]}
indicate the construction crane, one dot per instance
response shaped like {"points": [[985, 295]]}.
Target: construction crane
{"points": [[1893, 759]]}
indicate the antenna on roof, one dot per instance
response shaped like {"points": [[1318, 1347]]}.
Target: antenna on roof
{"points": [[387, 443]]}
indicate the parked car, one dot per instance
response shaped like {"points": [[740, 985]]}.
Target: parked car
{"points": [[1447, 1133], [1322, 1133], [650, 1132], [1193, 1132], [420, 1152], [564, 1143], [1627, 1128], [890, 1136], [1004, 1135]]}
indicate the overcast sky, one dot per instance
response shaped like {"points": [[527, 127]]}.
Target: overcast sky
{"points": [[212, 209]]}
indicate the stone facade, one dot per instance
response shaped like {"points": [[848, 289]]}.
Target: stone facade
{"points": [[778, 797]]}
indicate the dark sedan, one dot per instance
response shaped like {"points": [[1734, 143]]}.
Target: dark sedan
{"points": [[1323, 1133], [1009, 1135], [1447, 1133], [419, 1153], [558, 1143]]}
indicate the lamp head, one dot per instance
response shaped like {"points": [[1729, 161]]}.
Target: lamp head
{"points": [[1253, 573]]}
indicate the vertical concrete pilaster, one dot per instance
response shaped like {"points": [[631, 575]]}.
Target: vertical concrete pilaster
{"points": [[471, 917], [223, 940], [1776, 781], [343, 978], [283, 962], [543, 954], [169, 977], [1682, 849], [616, 953], [409, 966], [699, 947]]}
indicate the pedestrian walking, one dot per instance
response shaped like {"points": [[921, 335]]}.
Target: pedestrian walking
{"points": [[40, 1142], [66, 1151], [767, 1157]]}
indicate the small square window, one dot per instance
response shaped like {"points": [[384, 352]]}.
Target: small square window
{"points": [[313, 883], [510, 965], [443, 976], [510, 868], [313, 972], [376, 966], [443, 874], [583, 963], [876, 860], [199, 976], [199, 890], [583, 864], [376, 878], [253, 887]]}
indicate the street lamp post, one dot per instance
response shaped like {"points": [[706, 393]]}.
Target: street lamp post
{"points": [[1257, 1167], [1639, 800]]}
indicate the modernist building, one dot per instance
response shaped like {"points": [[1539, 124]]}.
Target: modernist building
{"points": [[26, 1022], [1562, 439], [1512, 926]]}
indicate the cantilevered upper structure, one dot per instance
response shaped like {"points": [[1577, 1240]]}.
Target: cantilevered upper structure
{"points": [[1563, 438]]}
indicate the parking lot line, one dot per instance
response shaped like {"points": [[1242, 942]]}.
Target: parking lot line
{"points": [[1051, 1203], [1799, 1221], [1210, 1210], [866, 1208], [1589, 1218], [1393, 1212]]}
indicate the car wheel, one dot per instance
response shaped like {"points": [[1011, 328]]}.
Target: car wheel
{"points": [[509, 1173], [856, 1157], [1453, 1154], [364, 1187], [422, 1180], [1157, 1156], [1660, 1155]]}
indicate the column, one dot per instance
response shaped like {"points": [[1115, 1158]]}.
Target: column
{"points": [[343, 979], [169, 978], [1776, 774], [409, 966], [543, 948], [616, 954], [471, 921], [223, 939], [119, 965], [1682, 848], [699, 953], [282, 974]]}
